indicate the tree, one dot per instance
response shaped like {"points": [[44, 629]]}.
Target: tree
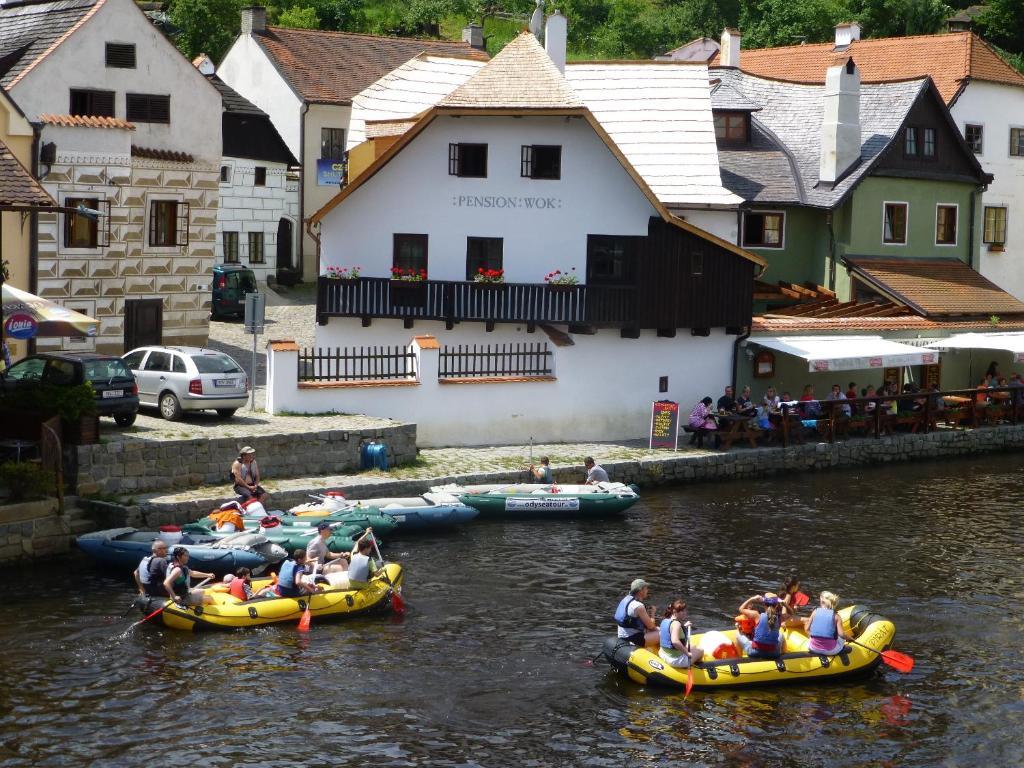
{"points": [[894, 18], [1002, 23], [767, 23], [205, 26], [300, 18], [425, 16]]}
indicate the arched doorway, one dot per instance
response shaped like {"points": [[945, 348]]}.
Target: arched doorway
{"points": [[285, 246]]}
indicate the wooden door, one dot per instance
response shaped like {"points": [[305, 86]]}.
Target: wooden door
{"points": [[143, 323], [284, 244]]}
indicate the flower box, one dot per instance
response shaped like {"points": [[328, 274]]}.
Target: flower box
{"points": [[489, 287], [562, 287]]}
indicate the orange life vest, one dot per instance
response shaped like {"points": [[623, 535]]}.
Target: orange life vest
{"points": [[232, 516], [238, 588]]}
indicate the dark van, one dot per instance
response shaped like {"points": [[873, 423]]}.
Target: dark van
{"points": [[230, 284]]}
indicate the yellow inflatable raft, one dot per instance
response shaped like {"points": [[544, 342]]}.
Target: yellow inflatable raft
{"points": [[228, 612], [796, 665]]}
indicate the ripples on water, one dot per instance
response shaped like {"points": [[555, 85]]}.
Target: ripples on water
{"points": [[489, 666]]}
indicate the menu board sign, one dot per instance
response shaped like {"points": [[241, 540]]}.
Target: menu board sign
{"points": [[664, 424]]}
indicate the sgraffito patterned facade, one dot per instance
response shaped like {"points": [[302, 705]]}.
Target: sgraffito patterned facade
{"points": [[98, 281]]}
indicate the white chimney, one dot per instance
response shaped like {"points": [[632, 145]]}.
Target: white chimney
{"points": [[729, 52], [537, 20], [556, 31], [846, 33], [840, 125], [254, 19], [473, 34]]}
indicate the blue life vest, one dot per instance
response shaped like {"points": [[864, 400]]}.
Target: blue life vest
{"points": [[143, 570], [823, 624], [765, 639], [625, 621], [286, 586], [666, 634]]}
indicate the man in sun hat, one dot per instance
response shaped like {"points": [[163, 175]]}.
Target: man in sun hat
{"points": [[316, 550], [245, 476], [633, 617]]}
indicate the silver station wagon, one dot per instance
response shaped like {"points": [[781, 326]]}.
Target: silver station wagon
{"points": [[176, 379]]}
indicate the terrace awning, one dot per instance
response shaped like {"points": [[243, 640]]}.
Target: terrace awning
{"points": [[848, 353], [1007, 342]]}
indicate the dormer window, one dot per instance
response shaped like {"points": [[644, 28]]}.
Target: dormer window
{"points": [[732, 127], [467, 160], [910, 142], [928, 143]]}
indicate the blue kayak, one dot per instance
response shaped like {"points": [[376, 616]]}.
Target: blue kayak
{"points": [[123, 548]]}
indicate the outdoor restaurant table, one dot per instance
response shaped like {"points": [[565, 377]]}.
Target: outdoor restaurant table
{"points": [[733, 427]]}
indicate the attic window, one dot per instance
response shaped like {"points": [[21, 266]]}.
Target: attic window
{"points": [[467, 160], [148, 108], [732, 127], [910, 142], [541, 162], [928, 143], [260, 176], [121, 55]]}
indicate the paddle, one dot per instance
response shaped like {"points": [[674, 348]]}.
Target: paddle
{"points": [[161, 608], [689, 668], [307, 617], [397, 603], [898, 661]]}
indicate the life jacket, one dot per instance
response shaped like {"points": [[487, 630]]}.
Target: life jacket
{"points": [[224, 517], [665, 632], [286, 579], [765, 639], [143, 570], [623, 619], [823, 624], [181, 584], [238, 589]]}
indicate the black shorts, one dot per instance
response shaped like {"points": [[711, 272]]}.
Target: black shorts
{"points": [[638, 639]]}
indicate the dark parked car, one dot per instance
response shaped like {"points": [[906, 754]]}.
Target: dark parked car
{"points": [[116, 392], [230, 284]]}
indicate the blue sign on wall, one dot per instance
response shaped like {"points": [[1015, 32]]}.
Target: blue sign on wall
{"points": [[329, 173]]}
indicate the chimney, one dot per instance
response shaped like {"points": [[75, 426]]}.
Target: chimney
{"points": [[729, 52], [555, 33], [254, 19], [473, 34], [846, 33], [840, 125]]}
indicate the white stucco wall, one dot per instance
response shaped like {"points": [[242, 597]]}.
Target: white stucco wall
{"points": [[603, 390], [245, 207], [315, 195], [247, 69], [998, 108], [719, 223], [415, 194], [79, 62]]}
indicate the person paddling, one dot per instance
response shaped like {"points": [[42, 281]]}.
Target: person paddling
{"points": [[632, 616], [673, 651], [825, 627], [179, 580], [152, 570]]}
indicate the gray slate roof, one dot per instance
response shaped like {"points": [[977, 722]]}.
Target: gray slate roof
{"points": [[28, 29], [724, 96], [234, 102], [789, 126]]}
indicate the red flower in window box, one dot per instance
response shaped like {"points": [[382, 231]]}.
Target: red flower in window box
{"points": [[489, 276], [408, 275]]}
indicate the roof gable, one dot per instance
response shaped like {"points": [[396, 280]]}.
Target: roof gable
{"points": [[17, 185], [951, 60], [332, 67], [247, 130], [29, 31]]}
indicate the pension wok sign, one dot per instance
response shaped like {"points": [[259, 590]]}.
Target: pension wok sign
{"points": [[507, 202]]}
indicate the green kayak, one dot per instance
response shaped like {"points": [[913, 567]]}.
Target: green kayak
{"points": [[291, 537], [534, 500]]}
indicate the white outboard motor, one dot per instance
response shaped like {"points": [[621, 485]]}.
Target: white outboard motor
{"points": [[253, 508], [170, 534]]}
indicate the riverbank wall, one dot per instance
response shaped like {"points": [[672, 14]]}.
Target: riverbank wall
{"points": [[32, 530], [742, 464], [143, 466]]}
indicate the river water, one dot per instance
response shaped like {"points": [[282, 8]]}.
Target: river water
{"points": [[489, 666]]}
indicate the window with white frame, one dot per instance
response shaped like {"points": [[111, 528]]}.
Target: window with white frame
{"points": [[894, 223], [86, 230], [168, 223], [1017, 142], [945, 224], [995, 225], [763, 229]]}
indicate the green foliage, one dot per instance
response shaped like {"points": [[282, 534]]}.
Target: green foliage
{"points": [[425, 16], [1002, 23], [767, 23], [300, 18], [205, 26], [26, 480], [892, 18], [70, 403]]}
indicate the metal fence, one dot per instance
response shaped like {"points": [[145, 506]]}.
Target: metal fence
{"points": [[357, 364], [493, 360]]}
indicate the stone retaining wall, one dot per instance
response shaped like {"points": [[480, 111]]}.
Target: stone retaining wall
{"points": [[125, 468], [31, 530], [735, 465]]}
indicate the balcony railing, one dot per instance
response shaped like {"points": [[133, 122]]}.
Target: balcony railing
{"points": [[454, 301]]}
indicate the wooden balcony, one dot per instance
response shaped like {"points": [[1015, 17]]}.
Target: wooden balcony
{"points": [[454, 301]]}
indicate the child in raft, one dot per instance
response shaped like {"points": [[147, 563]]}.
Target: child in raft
{"points": [[767, 639], [825, 627], [673, 651], [789, 591]]}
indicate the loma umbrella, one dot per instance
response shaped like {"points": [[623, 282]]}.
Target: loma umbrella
{"points": [[26, 316]]}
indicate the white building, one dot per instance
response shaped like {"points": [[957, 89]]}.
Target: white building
{"points": [[258, 218], [984, 94], [511, 171], [132, 130], [305, 80]]}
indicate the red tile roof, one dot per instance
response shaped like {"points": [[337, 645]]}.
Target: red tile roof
{"points": [[162, 154], [935, 287], [807, 325], [950, 60], [86, 121], [17, 186], [332, 67]]}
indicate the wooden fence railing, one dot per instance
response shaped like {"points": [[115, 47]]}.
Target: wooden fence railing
{"points": [[381, 363], [495, 360]]}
